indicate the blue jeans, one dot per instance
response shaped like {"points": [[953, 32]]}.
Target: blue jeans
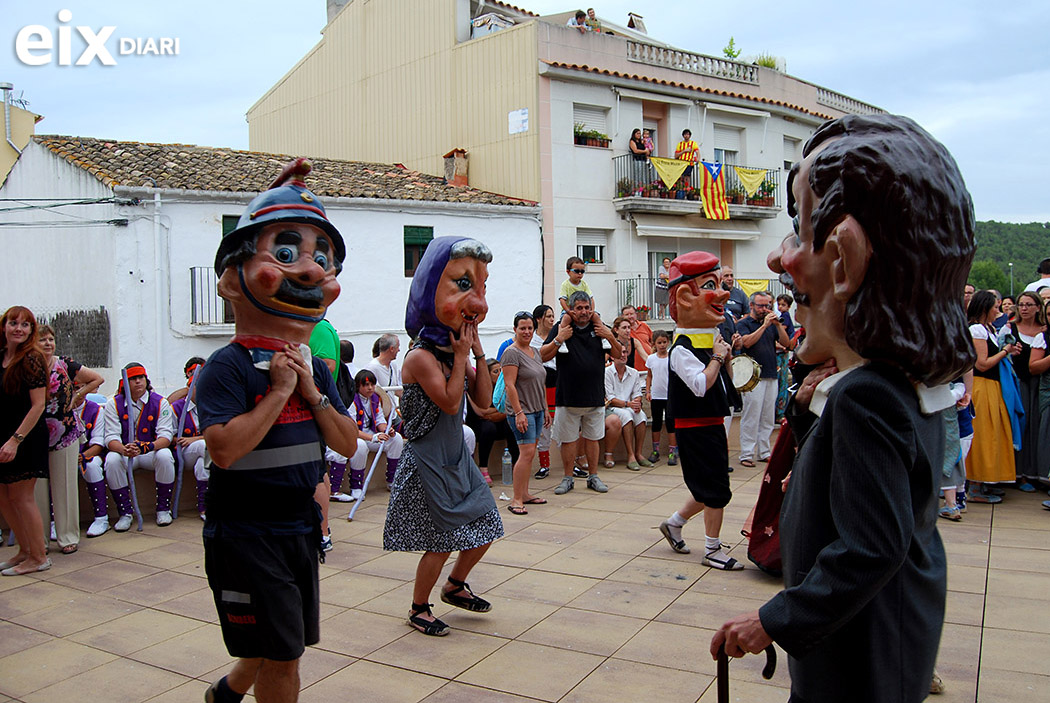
{"points": [[532, 431]]}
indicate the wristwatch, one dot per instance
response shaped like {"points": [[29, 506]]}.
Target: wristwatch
{"points": [[19, 438], [322, 404]]}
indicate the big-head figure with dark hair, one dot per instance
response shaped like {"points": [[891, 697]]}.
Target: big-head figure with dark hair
{"points": [[882, 245], [267, 409]]}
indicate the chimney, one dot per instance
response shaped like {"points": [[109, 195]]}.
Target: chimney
{"points": [[334, 7], [634, 21], [456, 168]]}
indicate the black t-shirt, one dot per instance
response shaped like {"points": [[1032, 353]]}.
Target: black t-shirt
{"points": [[737, 303], [581, 369], [281, 472], [765, 350]]}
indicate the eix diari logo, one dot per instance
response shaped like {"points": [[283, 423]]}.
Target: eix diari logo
{"points": [[35, 44]]}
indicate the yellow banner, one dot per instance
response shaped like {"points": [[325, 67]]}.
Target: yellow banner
{"points": [[750, 178], [670, 170], [752, 285]]}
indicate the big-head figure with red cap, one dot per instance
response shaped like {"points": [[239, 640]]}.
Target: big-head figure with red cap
{"points": [[698, 397]]}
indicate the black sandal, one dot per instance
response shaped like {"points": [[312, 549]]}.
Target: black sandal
{"points": [[473, 603], [434, 627]]}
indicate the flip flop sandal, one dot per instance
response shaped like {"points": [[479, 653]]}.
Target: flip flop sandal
{"points": [[434, 628], [469, 602], [535, 501], [69, 549], [517, 510], [748, 463]]}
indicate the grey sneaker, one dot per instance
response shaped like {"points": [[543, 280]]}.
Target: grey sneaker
{"points": [[566, 485], [596, 484], [672, 458]]}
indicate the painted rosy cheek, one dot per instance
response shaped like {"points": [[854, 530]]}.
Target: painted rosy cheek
{"points": [[270, 277]]}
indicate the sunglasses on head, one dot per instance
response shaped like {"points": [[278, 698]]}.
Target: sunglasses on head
{"points": [[522, 315], [579, 271]]}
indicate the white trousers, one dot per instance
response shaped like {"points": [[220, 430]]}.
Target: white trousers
{"points": [[161, 462], [193, 456], [756, 422], [93, 470], [392, 449]]}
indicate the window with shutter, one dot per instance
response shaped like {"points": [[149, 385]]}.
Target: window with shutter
{"points": [[416, 241], [592, 118], [727, 143], [591, 245]]}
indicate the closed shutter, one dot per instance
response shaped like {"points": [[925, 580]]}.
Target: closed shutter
{"points": [[591, 117], [727, 138]]}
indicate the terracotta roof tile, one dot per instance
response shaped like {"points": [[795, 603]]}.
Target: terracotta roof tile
{"points": [[687, 86], [190, 167]]}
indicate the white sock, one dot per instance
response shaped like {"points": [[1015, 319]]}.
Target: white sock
{"points": [[713, 544], [676, 520]]}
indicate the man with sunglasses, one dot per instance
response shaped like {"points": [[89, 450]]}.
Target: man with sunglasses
{"points": [[760, 331]]}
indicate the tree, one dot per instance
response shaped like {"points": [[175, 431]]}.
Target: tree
{"points": [[730, 50], [985, 275]]}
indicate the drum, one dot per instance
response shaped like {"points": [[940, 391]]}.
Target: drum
{"points": [[384, 401], [745, 372]]}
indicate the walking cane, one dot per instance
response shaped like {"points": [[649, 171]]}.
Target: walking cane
{"points": [[131, 437], [368, 479], [723, 670], [179, 450]]}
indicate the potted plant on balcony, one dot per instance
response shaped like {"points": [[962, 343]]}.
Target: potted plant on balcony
{"points": [[763, 197], [735, 196], [579, 134], [596, 138], [643, 312], [624, 188]]}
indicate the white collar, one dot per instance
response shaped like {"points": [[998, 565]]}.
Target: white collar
{"points": [[695, 330], [931, 399]]}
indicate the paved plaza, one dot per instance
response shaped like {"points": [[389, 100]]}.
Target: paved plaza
{"points": [[589, 605]]}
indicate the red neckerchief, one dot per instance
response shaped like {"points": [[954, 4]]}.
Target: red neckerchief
{"points": [[257, 341]]}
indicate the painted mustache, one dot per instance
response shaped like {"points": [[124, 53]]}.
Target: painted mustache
{"points": [[788, 282], [302, 296]]}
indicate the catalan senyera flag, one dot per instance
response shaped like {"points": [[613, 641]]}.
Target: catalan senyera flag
{"points": [[669, 170], [713, 191]]}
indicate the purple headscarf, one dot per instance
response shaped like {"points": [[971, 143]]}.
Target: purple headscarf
{"points": [[420, 316]]}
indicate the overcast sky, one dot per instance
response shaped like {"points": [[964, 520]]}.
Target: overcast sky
{"points": [[976, 74]]}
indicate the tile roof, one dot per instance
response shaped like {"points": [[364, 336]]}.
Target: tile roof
{"points": [[687, 86], [512, 7], [201, 168]]}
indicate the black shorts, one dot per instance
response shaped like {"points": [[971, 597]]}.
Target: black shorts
{"points": [[704, 455], [266, 594], [660, 411]]}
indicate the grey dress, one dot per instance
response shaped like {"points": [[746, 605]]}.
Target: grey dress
{"points": [[439, 501]]}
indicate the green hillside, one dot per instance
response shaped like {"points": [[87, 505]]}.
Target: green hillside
{"points": [[999, 244]]}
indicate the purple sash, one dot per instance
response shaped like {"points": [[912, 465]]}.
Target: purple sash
{"points": [[146, 430]]}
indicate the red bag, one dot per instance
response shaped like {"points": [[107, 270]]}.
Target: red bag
{"points": [[763, 526]]}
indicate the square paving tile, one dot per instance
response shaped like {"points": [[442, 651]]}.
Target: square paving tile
{"points": [[77, 613], [372, 682], [31, 595], [1013, 650], [48, 663], [582, 561], [356, 633], [191, 654], [584, 631], [15, 638], [544, 587], [619, 680], [458, 652], [527, 670], [157, 588], [141, 629], [348, 588], [456, 692], [113, 573], [630, 599], [122, 680]]}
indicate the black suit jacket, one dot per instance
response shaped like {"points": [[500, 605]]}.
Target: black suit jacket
{"points": [[864, 567]]}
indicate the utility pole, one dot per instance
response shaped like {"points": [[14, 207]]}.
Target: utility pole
{"points": [[1011, 265]]}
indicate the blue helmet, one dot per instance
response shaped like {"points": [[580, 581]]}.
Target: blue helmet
{"points": [[286, 200]]}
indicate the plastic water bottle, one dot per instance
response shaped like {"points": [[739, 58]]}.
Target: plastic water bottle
{"points": [[508, 469]]}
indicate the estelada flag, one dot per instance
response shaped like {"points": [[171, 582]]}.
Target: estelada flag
{"points": [[713, 191]]}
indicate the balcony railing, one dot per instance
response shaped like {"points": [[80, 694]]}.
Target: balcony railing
{"points": [[638, 179], [206, 307], [845, 103], [693, 63]]}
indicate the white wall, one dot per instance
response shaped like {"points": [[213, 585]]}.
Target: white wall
{"points": [[114, 267]]}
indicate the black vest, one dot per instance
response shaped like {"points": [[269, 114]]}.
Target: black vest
{"points": [[681, 400]]}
